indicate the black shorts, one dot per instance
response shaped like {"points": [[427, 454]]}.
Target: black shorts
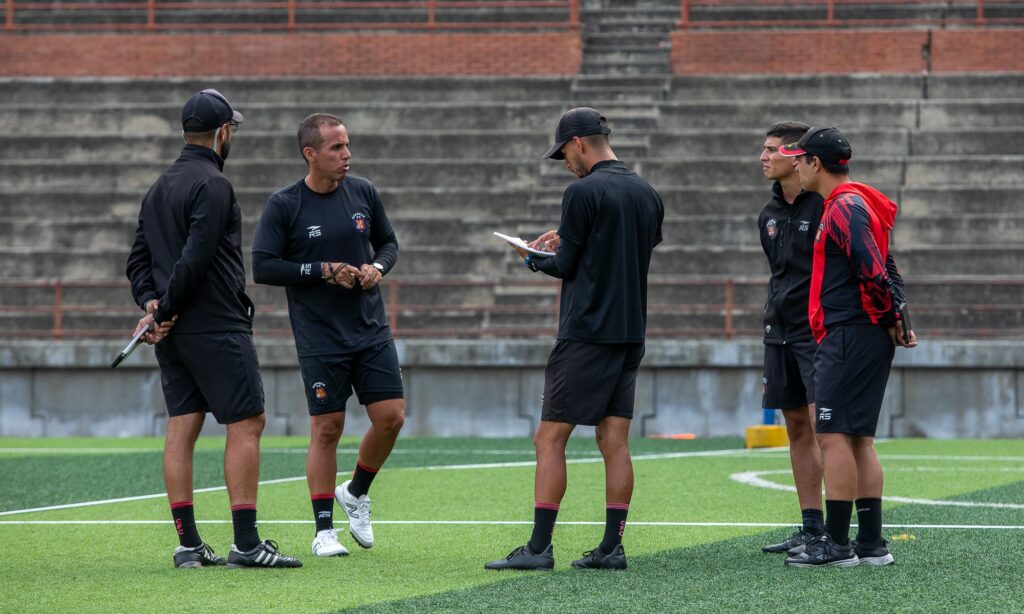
{"points": [[789, 375], [211, 372], [374, 373], [587, 382], [852, 369]]}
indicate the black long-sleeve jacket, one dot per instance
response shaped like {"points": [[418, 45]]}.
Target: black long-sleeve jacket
{"points": [[188, 248], [787, 237]]}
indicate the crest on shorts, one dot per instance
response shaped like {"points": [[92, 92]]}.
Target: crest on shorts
{"points": [[359, 222], [319, 391], [772, 228]]}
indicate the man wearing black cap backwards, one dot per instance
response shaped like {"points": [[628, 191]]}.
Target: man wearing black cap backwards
{"points": [[186, 271], [611, 221], [855, 307]]}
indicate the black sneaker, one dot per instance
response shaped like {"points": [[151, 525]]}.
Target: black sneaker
{"points": [[265, 554], [796, 540], [525, 559], [823, 552], [199, 556], [873, 554], [597, 559]]}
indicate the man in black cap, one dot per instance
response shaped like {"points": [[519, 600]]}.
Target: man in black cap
{"points": [[857, 314], [186, 271], [787, 224], [611, 221]]}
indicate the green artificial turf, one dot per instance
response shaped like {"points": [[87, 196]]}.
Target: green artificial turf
{"points": [[443, 507]]}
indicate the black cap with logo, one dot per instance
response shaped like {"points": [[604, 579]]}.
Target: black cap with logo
{"points": [[208, 110], [827, 144], [581, 121]]}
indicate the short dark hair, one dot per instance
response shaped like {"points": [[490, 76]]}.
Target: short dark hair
{"points": [[830, 168], [595, 140], [198, 137], [309, 131], [788, 132]]}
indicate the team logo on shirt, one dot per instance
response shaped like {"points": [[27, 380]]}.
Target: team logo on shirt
{"points": [[772, 228], [320, 391], [804, 226], [821, 228], [359, 222], [314, 231]]}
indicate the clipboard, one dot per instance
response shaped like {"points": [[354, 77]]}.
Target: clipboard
{"points": [[516, 241], [128, 349]]}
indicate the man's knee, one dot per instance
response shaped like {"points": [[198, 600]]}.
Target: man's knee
{"points": [[249, 427], [798, 424], [388, 416], [326, 430]]}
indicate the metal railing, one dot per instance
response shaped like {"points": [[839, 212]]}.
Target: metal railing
{"points": [[980, 16], [411, 319], [278, 15]]}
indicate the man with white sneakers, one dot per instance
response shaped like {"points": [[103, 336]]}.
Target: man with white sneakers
{"points": [[327, 239]]}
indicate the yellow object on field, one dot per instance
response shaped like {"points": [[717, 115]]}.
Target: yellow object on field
{"points": [[767, 436]]}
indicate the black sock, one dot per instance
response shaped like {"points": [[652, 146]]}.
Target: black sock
{"points": [[869, 521], [814, 521], [185, 522], [361, 479], [614, 525], [243, 517], [323, 511], [544, 515], [837, 521]]}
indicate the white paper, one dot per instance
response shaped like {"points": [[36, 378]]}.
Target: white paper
{"points": [[522, 244]]}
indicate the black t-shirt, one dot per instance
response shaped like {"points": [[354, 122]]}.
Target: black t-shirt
{"points": [[611, 221], [298, 230]]}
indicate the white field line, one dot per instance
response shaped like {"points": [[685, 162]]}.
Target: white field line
{"points": [[669, 455], [753, 478], [427, 451], [638, 523]]}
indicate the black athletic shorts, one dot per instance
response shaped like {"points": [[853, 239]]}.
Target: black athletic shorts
{"points": [[789, 375], [586, 382], [851, 371], [374, 373], [211, 372]]}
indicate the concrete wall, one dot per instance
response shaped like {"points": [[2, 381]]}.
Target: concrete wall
{"points": [[493, 388]]}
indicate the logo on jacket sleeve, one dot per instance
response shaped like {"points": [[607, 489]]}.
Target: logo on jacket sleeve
{"points": [[359, 222], [772, 228]]}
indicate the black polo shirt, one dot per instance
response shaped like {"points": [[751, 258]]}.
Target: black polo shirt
{"points": [[298, 230], [611, 221]]}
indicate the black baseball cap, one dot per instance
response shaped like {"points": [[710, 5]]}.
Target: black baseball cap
{"points": [[581, 121], [208, 110], [828, 144]]}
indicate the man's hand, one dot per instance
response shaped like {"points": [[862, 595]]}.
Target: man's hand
{"points": [[896, 334], [340, 274], [155, 333], [547, 242], [369, 276]]}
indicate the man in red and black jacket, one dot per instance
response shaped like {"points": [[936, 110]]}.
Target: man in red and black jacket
{"points": [[856, 301]]}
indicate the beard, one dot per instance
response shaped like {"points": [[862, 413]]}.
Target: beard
{"points": [[225, 149]]}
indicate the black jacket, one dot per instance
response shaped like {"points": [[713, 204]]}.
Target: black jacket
{"points": [[787, 237], [188, 248]]}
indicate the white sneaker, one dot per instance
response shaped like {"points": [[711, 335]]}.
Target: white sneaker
{"points": [[358, 511], [326, 544]]}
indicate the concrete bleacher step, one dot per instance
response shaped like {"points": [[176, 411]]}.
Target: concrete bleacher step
{"points": [[655, 64], [162, 119], [325, 90], [810, 87], [944, 198]]}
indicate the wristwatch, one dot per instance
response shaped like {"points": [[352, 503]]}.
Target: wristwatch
{"points": [[379, 267]]}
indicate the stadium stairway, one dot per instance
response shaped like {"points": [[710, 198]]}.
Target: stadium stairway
{"points": [[458, 158]]}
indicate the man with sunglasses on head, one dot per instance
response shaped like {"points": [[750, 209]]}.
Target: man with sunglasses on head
{"points": [[857, 314], [187, 273]]}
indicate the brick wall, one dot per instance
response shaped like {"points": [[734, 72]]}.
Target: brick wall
{"points": [[845, 51], [161, 55]]}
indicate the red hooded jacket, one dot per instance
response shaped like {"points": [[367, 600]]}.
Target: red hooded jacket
{"points": [[850, 278]]}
